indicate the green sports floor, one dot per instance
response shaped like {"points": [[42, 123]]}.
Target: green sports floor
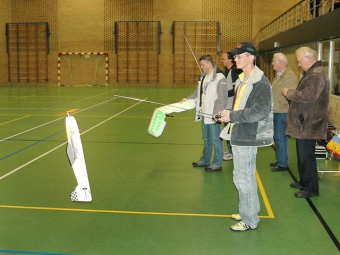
{"points": [[147, 197]]}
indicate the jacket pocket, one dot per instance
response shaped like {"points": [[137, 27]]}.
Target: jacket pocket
{"points": [[301, 123]]}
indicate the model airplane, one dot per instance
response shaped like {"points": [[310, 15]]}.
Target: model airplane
{"points": [[75, 154]]}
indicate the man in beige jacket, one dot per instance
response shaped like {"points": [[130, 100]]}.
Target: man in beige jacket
{"points": [[285, 78]]}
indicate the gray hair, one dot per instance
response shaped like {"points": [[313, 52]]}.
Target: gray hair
{"points": [[307, 52], [281, 57]]}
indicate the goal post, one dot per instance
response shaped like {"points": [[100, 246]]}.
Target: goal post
{"points": [[83, 68]]}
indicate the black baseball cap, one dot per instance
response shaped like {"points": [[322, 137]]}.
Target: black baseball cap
{"points": [[244, 47]]}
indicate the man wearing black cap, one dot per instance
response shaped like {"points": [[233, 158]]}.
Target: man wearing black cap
{"points": [[250, 126]]}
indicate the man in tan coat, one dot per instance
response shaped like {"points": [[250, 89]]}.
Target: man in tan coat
{"points": [[285, 78]]}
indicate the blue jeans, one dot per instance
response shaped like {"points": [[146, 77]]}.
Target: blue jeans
{"points": [[280, 138], [211, 137], [230, 150], [245, 182]]}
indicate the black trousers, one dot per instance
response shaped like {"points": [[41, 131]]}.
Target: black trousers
{"points": [[307, 167]]}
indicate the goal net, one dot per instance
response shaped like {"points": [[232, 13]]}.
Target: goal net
{"points": [[83, 68]]}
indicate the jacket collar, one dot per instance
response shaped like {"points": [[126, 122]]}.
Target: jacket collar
{"points": [[316, 64], [255, 76]]}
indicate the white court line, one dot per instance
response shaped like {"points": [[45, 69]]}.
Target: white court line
{"points": [[48, 152], [54, 120]]}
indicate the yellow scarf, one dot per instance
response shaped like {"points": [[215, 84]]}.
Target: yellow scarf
{"points": [[240, 90]]}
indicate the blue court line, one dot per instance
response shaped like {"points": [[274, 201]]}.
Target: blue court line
{"points": [[22, 149], [30, 252]]}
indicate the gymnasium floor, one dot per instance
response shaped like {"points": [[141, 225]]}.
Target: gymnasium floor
{"points": [[147, 197]]}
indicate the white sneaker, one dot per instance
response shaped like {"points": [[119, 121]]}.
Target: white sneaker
{"points": [[227, 156], [236, 217], [241, 226]]}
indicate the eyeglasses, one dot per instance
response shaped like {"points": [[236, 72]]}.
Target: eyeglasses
{"points": [[299, 61], [239, 56]]}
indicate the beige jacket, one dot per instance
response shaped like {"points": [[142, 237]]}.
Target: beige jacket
{"points": [[287, 79]]}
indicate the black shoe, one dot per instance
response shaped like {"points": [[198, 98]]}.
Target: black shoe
{"points": [[296, 185], [213, 168], [199, 164], [273, 164], [279, 169], [305, 194]]}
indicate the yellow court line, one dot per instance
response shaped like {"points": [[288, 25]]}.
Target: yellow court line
{"points": [[15, 120], [264, 196], [260, 185], [117, 211]]}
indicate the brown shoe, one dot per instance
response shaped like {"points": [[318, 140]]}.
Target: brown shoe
{"points": [[279, 169], [305, 194], [199, 164], [296, 185], [273, 164], [213, 168]]}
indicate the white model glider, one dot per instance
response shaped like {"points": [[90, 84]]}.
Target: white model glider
{"points": [[75, 154]]}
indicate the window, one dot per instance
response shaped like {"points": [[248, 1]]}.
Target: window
{"points": [[330, 58]]}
